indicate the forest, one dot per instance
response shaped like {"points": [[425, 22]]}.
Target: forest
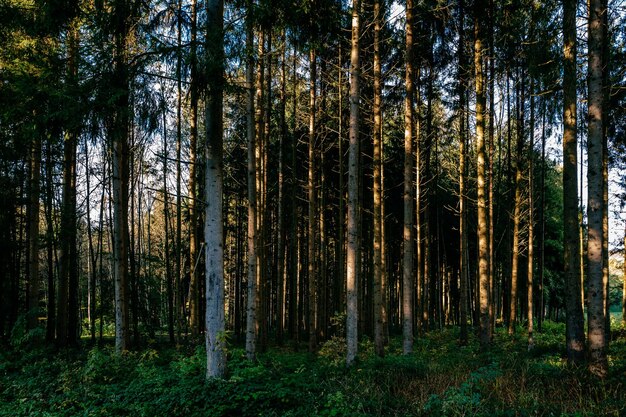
{"points": [[312, 207]]}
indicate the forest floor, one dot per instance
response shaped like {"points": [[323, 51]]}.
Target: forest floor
{"points": [[439, 379]]}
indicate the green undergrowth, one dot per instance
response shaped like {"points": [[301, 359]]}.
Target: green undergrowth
{"points": [[440, 378]]}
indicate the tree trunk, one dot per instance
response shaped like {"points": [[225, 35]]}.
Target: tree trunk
{"points": [[483, 226], [312, 230], [194, 196], [213, 227], [463, 229], [32, 214], [407, 234], [517, 210], [377, 186], [353, 253], [595, 185], [119, 140], [252, 203], [531, 218], [575, 337]]}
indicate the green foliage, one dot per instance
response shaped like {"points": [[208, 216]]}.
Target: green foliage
{"points": [[439, 379]]}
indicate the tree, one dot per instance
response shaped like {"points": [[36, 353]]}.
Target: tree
{"points": [[575, 338], [596, 319], [119, 143], [407, 232], [483, 232], [377, 188], [252, 203], [353, 252], [213, 228]]}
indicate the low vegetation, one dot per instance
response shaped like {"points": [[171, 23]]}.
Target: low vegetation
{"points": [[439, 379]]}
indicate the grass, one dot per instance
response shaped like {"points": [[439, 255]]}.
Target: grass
{"points": [[439, 379]]}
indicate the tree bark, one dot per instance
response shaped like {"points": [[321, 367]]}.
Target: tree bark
{"points": [[575, 337], [213, 228], [119, 140], [252, 203], [463, 229], [353, 253], [312, 230], [377, 188], [483, 226], [595, 185], [407, 234]]}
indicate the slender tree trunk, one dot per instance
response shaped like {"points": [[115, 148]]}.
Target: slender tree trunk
{"points": [[280, 288], [312, 230], [542, 222], [353, 252], [93, 265], [252, 202], [119, 140], [595, 185], [492, 129], [179, 137], [624, 282], [377, 187], [32, 214], [483, 226], [213, 227], [51, 319], [517, 212], [166, 240], [531, 218], [575, 337], [194, 239], [463, 229], [407, 234]]}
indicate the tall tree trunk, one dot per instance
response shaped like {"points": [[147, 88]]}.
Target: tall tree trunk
{"points": [[194, 238], [166, 240], [179, 137], [93, 261], [483, 226], [353, 253], [119, 140], [624, 282], [595, 185], [32, 214], [517, 210], [542, 222], [213, 227], [377, 187], [280, 287], [407, 233], [312, 230], [51, 313], [463, 229], [252, 201], [531, 218], [575, 337]]}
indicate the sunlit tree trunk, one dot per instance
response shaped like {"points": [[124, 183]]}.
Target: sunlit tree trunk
{"points": [[194, 239], [252, 202], [463, 229], [377, 167], [575, 337], [595, 185], [32, 214], [213, 227], [353, 251], [407, 234], [312, 229], [531, 218], [483, 226], [280, 288]]}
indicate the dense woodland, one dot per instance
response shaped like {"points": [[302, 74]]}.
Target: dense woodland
{"points": [[363, 178]]}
